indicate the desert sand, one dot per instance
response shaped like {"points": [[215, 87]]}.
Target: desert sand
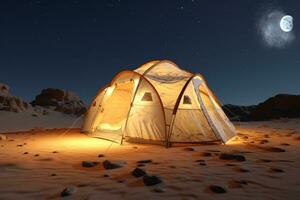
{"points": [[41, 164]]}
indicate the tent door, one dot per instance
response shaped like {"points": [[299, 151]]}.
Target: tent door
{"points": [[114, 111]]}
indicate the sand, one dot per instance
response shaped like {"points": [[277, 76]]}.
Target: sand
{"points": [[41, 164]]}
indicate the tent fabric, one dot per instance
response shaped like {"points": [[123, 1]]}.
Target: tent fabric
{"points": [[157, 103]]}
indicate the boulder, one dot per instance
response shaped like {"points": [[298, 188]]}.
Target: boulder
{"points": [[61, 101]]}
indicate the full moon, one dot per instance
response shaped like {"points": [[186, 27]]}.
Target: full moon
{"points": [[286, 23]]}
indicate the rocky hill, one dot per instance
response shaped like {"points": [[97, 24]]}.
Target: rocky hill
{"points": [[9, 102], [60, 100], [279, 106], [49, 99]]}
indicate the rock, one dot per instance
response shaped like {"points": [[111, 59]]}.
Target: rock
{"points": [[206, 154], [263, 160], [25, 153], [68, 191], [138, 172], [45, 112], [110, 165], [158, 190], [151, 180], [4, 88], [239, 169], [144, 161], [54, 151], [36, 155], [60, 100], [202, 164], [101, 155], [275, 170], [189, 149], [53, 174], [285, 144], [230, 165], [236, 157], [3, 137], [217, 189], [89, 164], [10, 103]]}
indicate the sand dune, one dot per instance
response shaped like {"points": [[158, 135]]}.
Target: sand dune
{"points": [[261, 163]]}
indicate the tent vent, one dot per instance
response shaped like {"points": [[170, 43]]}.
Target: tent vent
{"points": [[187, 100], [147, 97]]}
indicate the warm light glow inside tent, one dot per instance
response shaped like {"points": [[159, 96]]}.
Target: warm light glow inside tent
{"points": [[158, 103]]}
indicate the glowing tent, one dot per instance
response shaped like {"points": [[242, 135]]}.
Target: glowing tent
{"points": [[158, 102]]}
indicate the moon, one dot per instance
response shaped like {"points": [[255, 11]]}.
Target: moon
{"points": [[276, 29], [286, 23]]}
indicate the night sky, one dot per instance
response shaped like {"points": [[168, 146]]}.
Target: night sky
{"points": [[80, 45]]}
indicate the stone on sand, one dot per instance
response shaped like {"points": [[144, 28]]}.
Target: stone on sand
{"points": [[89, 164], [275, 170], [206, 154], [138, 172], [217, 189], [144, 161], [68, 191], [110, 165], [189, 149], [236, 157], [151, 180]]}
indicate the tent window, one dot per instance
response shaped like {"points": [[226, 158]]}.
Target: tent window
{"points": [[147, 97], [187, 100]]}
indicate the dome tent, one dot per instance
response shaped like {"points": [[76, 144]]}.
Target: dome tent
{"points": [[158, 102]]}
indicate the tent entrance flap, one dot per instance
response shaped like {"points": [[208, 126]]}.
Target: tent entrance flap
{"points": [[114, 110]]}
